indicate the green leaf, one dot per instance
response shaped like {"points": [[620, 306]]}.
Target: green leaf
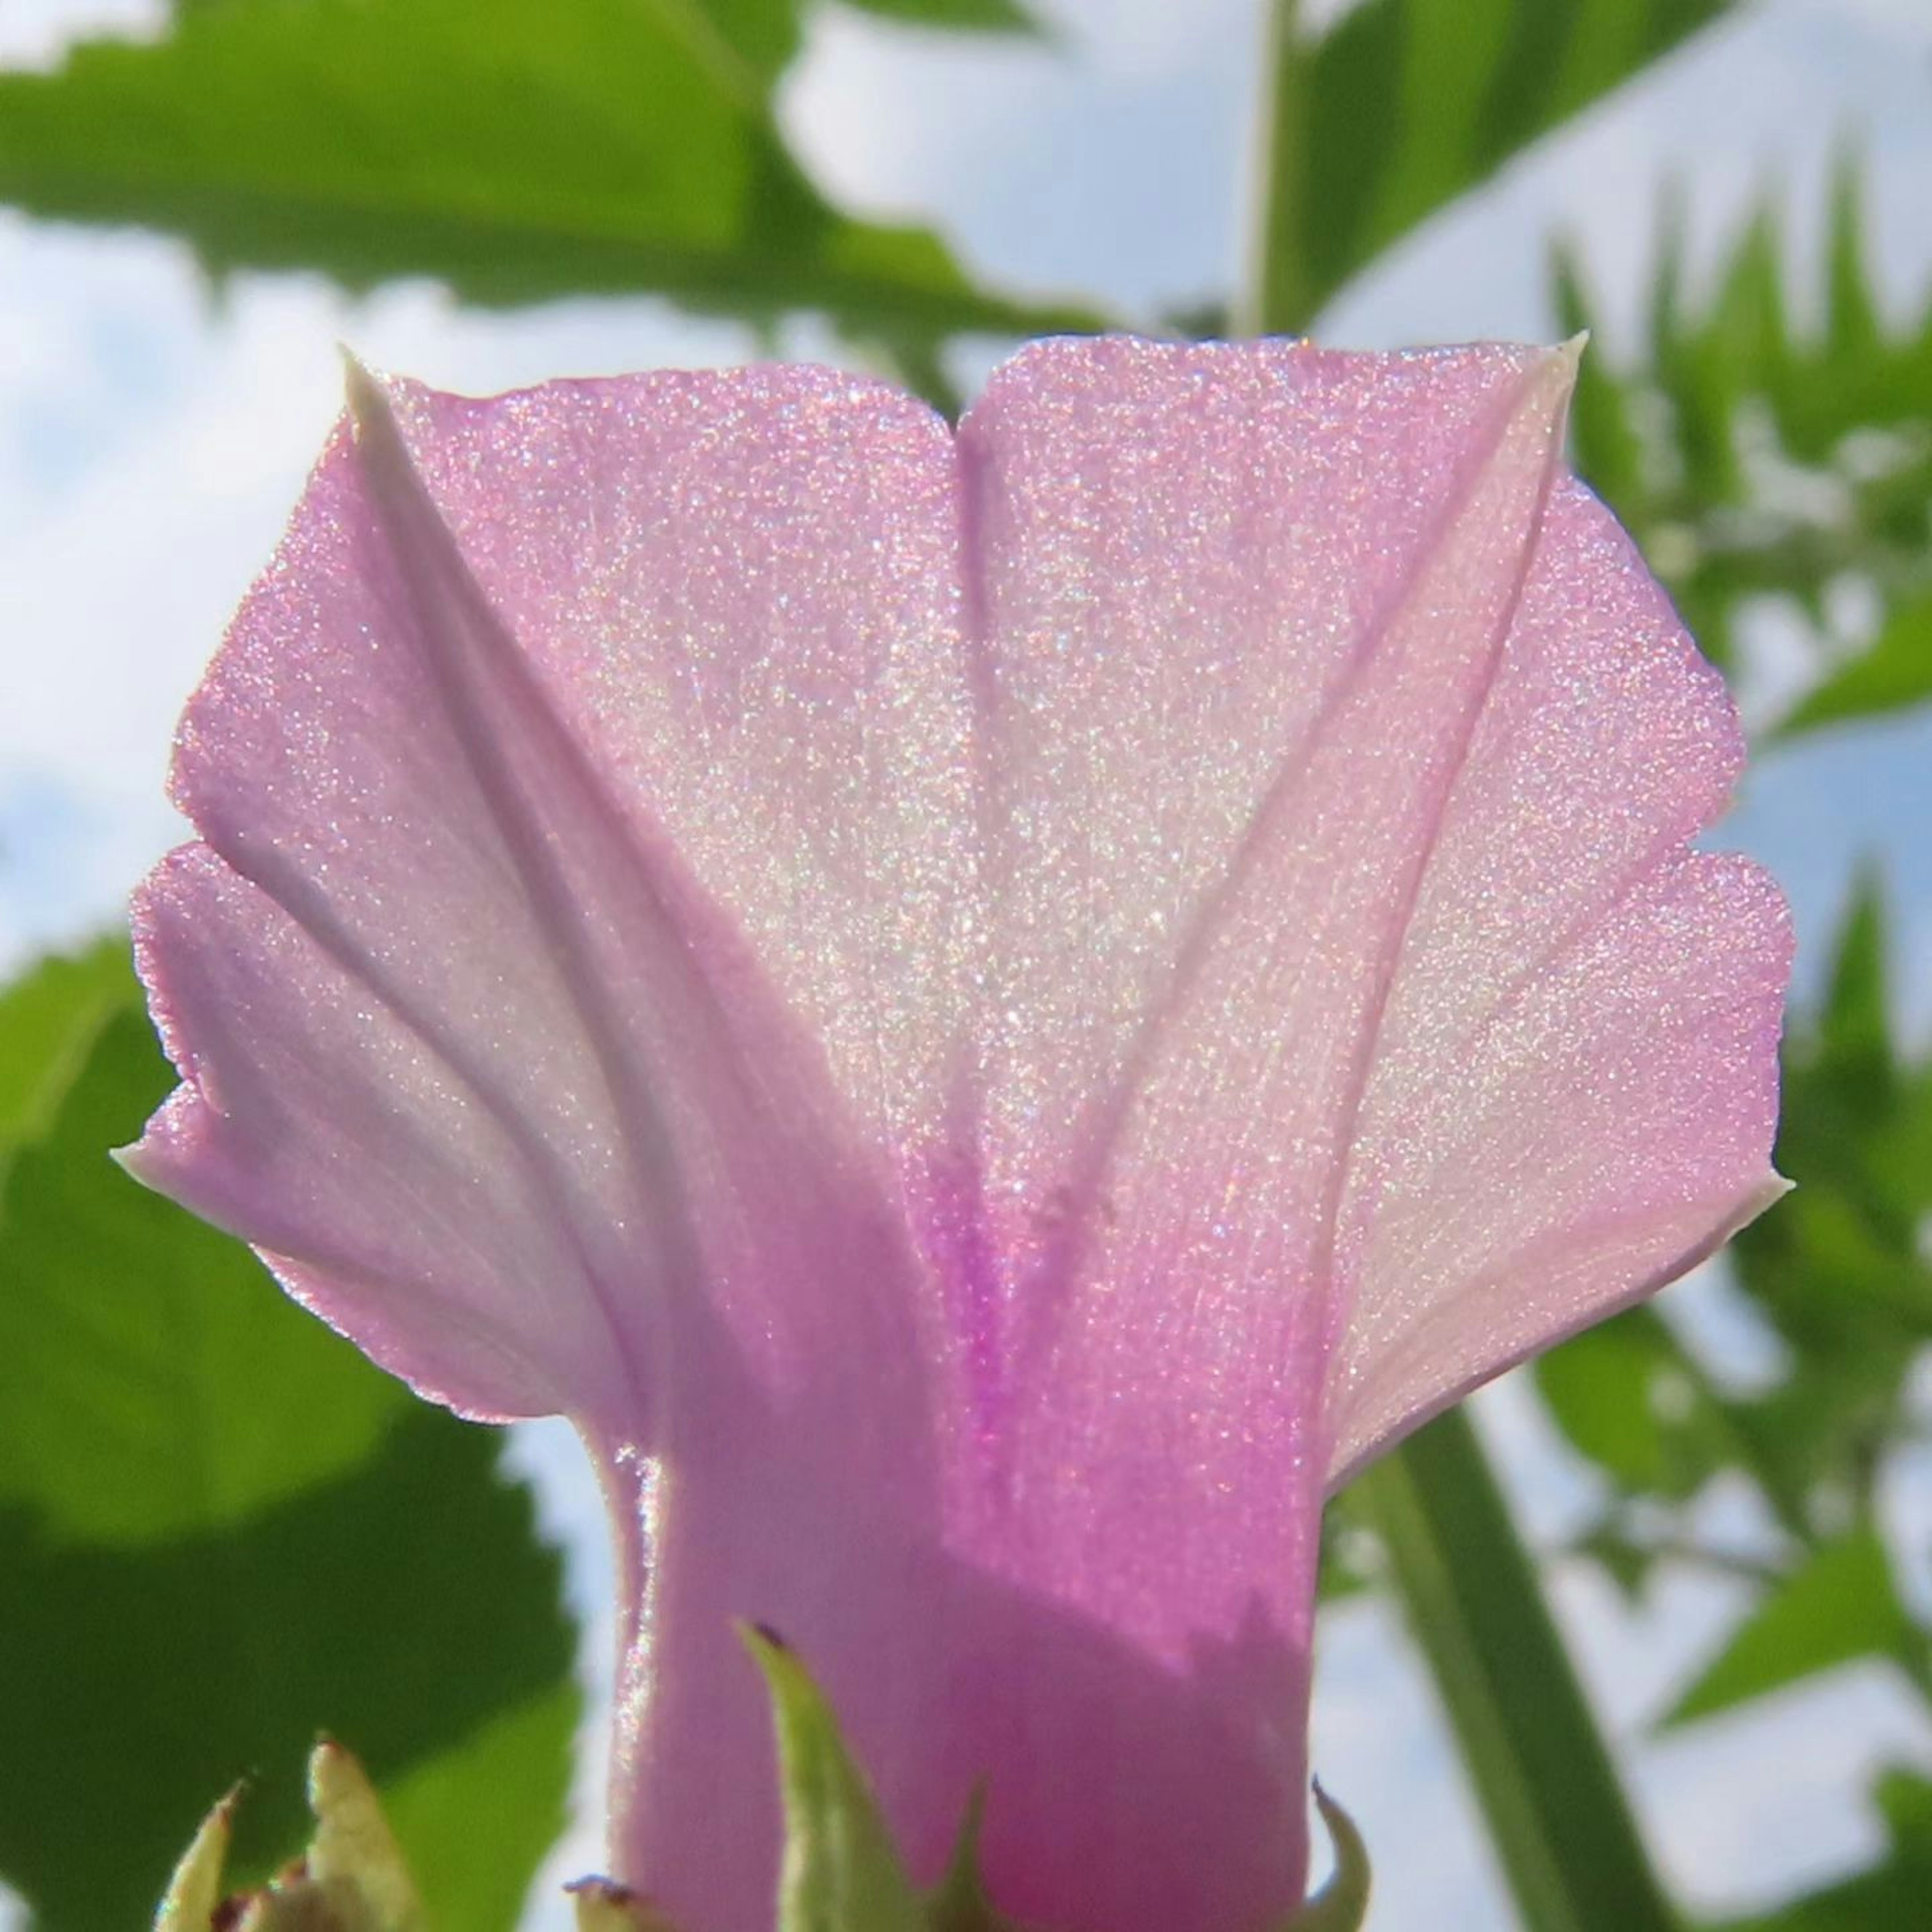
{"points": [[516, 153], [1853, 328], [999, 17], [1405, 105], [222, 1531], [1760, 462], [1892, 1893], [48, 1020], [1604, 443], [1893, 671], [1548, 1790], [959, 1903], [1839, 1271], [1626, 1396], [132, 1339], [1839, 1606], [475, 1821], [841, 1871]]}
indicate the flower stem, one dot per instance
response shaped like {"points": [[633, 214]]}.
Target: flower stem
{"points": [[1275, 302], [1570, 1846]]}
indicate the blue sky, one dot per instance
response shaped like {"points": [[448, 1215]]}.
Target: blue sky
{"points": [[153, 434]]}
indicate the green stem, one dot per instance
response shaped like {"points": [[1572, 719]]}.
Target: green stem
{"points": [[1550, 1795], [1275, 302]]}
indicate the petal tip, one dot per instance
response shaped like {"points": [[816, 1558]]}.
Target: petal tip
{"points": [[362, 387], [378, 437]]}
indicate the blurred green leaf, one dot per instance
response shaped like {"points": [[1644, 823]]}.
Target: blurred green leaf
{"points": [[477, 1821], [221, 1530], [1892, 1894], [132, 1339], [1627, 1396], [1763, 460], [1405, 105], [48, 1019], [1549, 1792], [1840, 1270], [1351, 1560], [516, 153], [1840, 1606], [1894, 670], [964, 16]]}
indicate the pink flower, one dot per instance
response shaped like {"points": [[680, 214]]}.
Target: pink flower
{"points": [[989, 1013]]}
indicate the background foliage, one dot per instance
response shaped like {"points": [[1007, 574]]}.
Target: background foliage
{"points": [[220, 1529]]}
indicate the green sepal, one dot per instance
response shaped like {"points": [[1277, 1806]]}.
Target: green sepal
{"points": [[1341, 1905], [959, 1902], [351, 1879], [841, 1871], [353, 1859], [194, 1893]]}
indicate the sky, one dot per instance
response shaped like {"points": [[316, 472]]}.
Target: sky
{"points": [[154, 433]]}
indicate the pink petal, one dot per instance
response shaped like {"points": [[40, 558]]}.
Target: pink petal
{"points": [[657, 897], [1243, 610], [1577, 1087], [1356, 989], [989, 1018]]}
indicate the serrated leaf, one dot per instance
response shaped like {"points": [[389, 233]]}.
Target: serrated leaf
{"points": [[220, 1531], [517, 154], [132, 1337], [1773, 462], [1404, 106], [841, 1871], [1839, 1605]]}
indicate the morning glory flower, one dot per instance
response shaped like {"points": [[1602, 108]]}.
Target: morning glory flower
{"points": [[990, 1012]]}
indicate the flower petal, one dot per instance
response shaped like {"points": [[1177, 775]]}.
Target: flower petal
{"points": [[988, 1019], [1576, 1089], [1281, 583], [613, 773], [1328, 718]]}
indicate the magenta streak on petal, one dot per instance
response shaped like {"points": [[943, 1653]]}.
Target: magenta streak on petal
{"points": [[967, 1271]]}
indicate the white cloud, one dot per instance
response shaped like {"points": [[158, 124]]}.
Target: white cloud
{"points": [[34, 33]]}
